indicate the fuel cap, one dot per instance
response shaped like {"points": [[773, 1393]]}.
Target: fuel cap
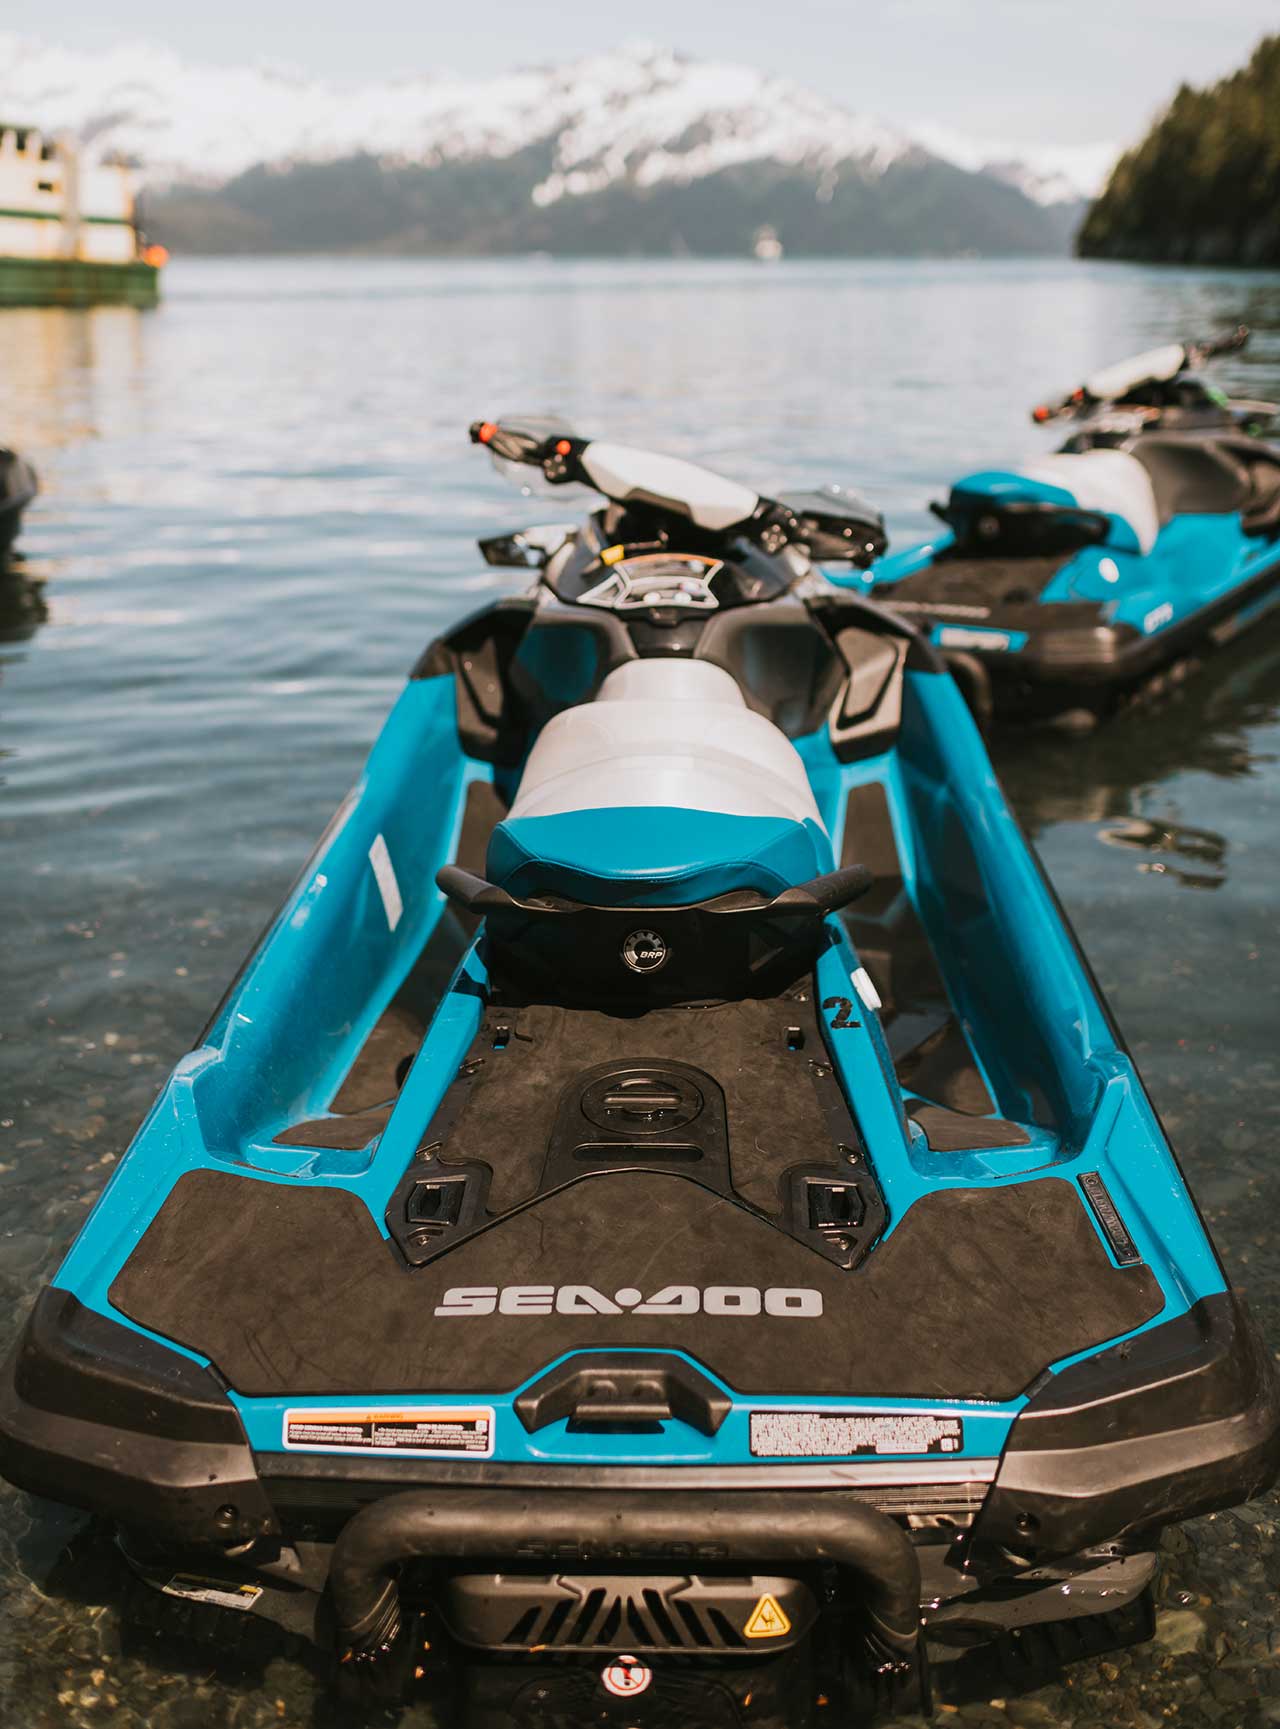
{"points": [[642, 1100]]}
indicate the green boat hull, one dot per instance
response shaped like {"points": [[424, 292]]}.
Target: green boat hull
{"points": [[72, 282]]}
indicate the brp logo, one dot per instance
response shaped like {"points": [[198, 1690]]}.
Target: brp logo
{"points": [[645, 951], [624, 1677]]}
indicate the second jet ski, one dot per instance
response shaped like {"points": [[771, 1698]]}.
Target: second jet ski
{"points": [[1060, 585], [1160, 389], [663, 1230]]}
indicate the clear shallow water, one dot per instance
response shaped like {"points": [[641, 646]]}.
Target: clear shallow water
{"points": [[259, 503]]}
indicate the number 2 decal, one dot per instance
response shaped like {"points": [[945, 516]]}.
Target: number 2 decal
{"points": [[844, 1015]]}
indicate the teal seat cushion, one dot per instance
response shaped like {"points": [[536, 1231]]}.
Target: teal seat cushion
{"points": [[653, 855]]}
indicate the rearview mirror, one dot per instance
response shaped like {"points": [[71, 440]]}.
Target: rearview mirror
{"points": [[837, 526], [527, 548]]}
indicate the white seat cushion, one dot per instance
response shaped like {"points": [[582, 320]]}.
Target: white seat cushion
{"points": [[665, 733], [670, 680], [1111, 481]]}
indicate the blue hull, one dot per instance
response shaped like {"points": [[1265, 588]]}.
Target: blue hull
{"points": [[1046, 607], [1017, 1325]]}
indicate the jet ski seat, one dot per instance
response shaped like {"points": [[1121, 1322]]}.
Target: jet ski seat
{"points": [[1110, 483], [663, 791], [1213, 476]]}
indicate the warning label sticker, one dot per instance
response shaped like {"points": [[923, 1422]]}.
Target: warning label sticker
{"points": [[768, 1620], [224, 1593], [422, 1430], [852, 1435]]}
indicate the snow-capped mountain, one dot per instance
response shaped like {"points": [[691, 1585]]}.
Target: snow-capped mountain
{"points": [[1054, 174], [634, 151], [642, 115]]}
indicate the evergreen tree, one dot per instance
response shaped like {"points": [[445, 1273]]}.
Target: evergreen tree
{"points": [[1203, 187]]}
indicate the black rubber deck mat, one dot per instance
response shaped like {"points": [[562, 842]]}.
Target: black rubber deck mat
{"points": [[347, 1132], [1002, 591], [290, 1288], [956, 1132], [374, 1078], [984, 582], [774, 1117], [892, 945], [941, 1068]]}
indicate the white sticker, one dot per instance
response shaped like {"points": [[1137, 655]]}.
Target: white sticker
{"points": [[1157, 616], [422, 1431], [215, 1591], [385, 875], [855, 1434], [865, 989], [624, 1677], [963, 636]]}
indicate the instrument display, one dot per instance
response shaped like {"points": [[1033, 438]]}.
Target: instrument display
{"points": [[654, 579]]}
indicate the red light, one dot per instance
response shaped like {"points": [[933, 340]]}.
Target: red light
{"points": [[1041, 413], [563, 447], [486, 432]]}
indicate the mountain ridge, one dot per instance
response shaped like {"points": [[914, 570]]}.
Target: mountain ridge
{"points": [[485, 208]]}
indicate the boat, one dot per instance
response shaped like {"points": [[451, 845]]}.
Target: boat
{"points": [[766, 246], [68, 235], [663, 1228], [18, 486], [1060, 587]]}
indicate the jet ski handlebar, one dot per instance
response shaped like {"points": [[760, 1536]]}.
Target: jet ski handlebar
{"points": [[1199, 352], [1156, 366], [831, 524], [624, 474]]}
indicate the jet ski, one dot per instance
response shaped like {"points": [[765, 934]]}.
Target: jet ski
{"points": [[663, 1228], [1158, 389], [1060, 586], [18, 486]]}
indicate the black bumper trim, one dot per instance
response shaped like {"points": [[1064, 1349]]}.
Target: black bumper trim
{"points": [[1182, 1420], [287, 1475], [97, 1415]]}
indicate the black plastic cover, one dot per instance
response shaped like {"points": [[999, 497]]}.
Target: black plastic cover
{"points": [[1181, 1420], [657, 1612], [613, 1389], [94, 1414]]}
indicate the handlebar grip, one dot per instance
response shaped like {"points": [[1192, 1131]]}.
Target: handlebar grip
{"points": [[1235, 339], [554, 452], [509, 442], [1044, 412]]}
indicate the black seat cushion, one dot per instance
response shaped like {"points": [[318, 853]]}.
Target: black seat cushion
{"points": [[1193, 474]]}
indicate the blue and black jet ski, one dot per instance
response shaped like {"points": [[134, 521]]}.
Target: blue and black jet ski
{"points": [[1061, 585], [662, 1229]]}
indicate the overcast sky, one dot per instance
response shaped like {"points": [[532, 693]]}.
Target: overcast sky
{"points": [[1029, 71]]}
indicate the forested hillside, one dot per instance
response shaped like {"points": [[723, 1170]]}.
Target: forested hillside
{"points": [[1203, 187], [915, 206]]}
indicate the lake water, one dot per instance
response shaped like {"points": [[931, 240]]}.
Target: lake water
{"points": [[259, 502]]}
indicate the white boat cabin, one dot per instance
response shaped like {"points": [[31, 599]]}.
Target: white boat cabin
{"points": [[56, 204]]}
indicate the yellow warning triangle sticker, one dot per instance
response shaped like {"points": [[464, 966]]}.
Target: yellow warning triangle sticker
{"points": [[768, 1619]]}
